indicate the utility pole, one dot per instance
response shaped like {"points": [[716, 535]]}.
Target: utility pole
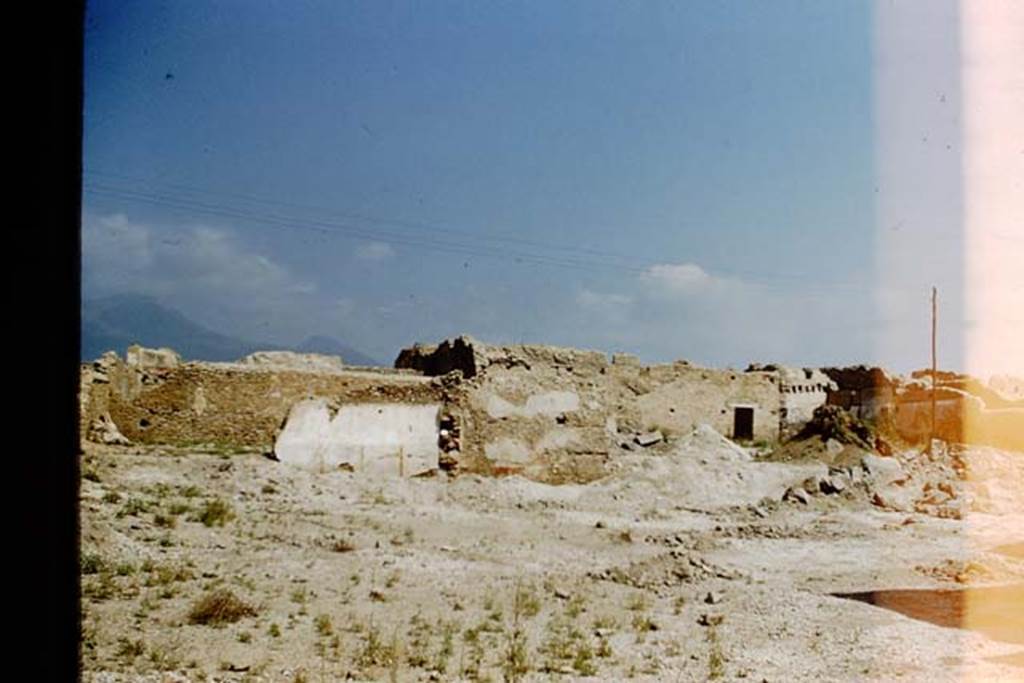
{"points": [[931, 436]]}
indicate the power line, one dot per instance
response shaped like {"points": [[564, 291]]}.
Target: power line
{"points": [[354, 231], [342, 229], [338, 228], [420, 225]]}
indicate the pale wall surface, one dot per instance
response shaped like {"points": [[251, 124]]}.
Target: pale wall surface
{"points": [[382, 438]]}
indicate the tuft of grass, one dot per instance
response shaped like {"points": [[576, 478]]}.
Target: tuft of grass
{"points": [[215, 512], [323, 625], [164, 521], [189, 492], [274, 631], [130, 649], [91, 563], [343, 546], [716, 658], [219, 607], [678, 604], [375, 652], [178, 509], [638, 603], [133, 507]]}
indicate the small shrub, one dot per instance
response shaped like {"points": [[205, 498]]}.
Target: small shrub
{"points": [[164, 521], [716, 658], [91, 563], [215, 513], [190, 492], [582, 662], [642, 624], [111, 497], [526, 602], [130, 649], [678, 604], [274, 631], [374, 651], [133, 507], [638, 603], [323, 625], [219, 607], [343, 546], [91, 475]]}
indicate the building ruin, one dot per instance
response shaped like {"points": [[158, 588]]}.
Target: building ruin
{"points": [[549, 413]]}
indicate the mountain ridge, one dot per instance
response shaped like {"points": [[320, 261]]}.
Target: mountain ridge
{"points": [[118, 321]]}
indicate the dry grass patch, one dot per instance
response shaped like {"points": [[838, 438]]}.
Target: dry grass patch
{"points": [[219, 607]]}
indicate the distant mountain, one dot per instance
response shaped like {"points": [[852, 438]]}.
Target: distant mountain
{"points": [[115, 323]]}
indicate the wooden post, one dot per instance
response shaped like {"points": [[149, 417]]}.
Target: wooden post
{"points": [[932, 434], [401, 461]]}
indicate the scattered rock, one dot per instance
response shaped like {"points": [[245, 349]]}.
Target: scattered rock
{"points": [[833, 484], [710, 619], [713, 598], [649, 439], [103, 430], [796, 494]]}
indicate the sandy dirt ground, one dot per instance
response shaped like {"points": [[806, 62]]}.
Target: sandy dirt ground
{"points": [[688, 563]]}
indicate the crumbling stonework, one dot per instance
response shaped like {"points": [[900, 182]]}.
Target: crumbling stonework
{"points": [[552, 414], [141, 357], [555, 413], [966, 409], [226, 403]]}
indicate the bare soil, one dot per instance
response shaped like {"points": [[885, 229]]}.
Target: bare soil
{"points": [[684, 565]]}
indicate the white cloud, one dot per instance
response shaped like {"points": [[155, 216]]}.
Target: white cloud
{"points": [[374, 252], [119, 254], [677, 278], [601, 302]]}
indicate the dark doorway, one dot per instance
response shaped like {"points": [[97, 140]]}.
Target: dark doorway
{"points": [[743, 423]]}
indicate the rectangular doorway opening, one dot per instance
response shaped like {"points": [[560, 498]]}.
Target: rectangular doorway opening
{"points": [[743, 423]]}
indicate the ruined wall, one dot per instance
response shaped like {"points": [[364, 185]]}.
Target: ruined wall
{"points": [[536, 410], [967, 410], [462, 353], [802, 390], [555, 413], [674, 398], [384, 438], [229, 404], [960, 417], [867, 392]]}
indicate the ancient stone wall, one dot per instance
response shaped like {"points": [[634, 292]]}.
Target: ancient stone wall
{"points": [[537, 410], [674, 398], [803, 390], [226, 403], [555, 413], [967, 410]]}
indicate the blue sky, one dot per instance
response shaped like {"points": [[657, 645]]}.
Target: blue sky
{"points": [[691, 180]]}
